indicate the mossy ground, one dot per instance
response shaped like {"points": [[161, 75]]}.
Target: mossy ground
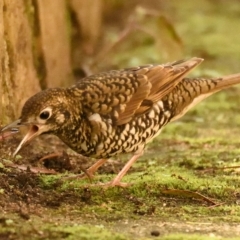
{"points": [[190, 155]]}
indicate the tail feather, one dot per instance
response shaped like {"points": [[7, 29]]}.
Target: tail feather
{"points": [[227, 81], [193, 91]]}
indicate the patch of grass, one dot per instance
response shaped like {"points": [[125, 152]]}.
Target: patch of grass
{"points": [[57, 230]]}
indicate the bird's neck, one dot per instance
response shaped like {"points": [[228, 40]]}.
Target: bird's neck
{"points": [[76, 127], [78, 132]]}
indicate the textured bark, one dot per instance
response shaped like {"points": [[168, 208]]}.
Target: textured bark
{"points": [[35, 46], [89, 17], [55, 42], [18, 79]]}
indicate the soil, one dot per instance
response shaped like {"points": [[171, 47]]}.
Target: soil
{"points": [[26, 198]]}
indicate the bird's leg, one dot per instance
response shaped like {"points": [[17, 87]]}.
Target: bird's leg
{"points": [[91, 170], [117, 180], [87, 172], [51, 155]]}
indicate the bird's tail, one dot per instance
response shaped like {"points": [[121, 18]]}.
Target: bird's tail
{"points": [[192, 91], [227, 81]]}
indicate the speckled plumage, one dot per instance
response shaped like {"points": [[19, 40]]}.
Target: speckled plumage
{"points": [[118, 111]]}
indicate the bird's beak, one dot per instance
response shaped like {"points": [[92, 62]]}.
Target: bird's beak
{"points": [[12, 127], [9, 130], [34, 131]]}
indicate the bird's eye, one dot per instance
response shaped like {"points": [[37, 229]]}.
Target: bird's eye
{"points": [[44, 115]]}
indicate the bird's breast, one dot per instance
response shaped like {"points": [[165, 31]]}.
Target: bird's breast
{"points": [[130, 137], [102, 139]]}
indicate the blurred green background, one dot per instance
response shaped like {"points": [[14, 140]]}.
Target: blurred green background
{"points": [[163, 31]]}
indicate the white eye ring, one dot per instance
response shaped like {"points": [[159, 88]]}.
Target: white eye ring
{"points": [[45, 113]]}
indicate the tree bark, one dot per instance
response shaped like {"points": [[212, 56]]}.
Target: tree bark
{"points": [[17, 76], [35, 47], [55, 42]]}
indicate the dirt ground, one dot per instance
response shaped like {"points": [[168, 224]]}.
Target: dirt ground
{"points": [[45, 206]]}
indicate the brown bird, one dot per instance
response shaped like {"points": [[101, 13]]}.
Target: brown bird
{"points": [[116, 112]]}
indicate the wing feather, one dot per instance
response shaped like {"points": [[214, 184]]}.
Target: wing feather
{"points": [[124, 94]]}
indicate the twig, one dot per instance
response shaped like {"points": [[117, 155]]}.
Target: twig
{"points": [[187, 193]]}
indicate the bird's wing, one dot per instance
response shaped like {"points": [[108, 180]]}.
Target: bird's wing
{"points": [[124, 94]]}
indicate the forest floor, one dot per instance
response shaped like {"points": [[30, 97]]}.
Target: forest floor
{"points": [[186, 185]]}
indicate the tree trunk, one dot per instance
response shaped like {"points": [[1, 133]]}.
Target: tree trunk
{"points": [[17, 76], [36, 50], [55, 42]]}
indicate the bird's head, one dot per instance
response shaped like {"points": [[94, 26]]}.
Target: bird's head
{"points": [[45, 112]]}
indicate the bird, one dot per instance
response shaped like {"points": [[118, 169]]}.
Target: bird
{"points": [[118, 111]]}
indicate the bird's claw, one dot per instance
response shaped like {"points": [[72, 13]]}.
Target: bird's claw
{"points": [[113, 184]]}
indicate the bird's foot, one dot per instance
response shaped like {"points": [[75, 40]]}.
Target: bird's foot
{"points": [[117, 180], [79, 176], [91, 171], [113, 184], [87, 173]]}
